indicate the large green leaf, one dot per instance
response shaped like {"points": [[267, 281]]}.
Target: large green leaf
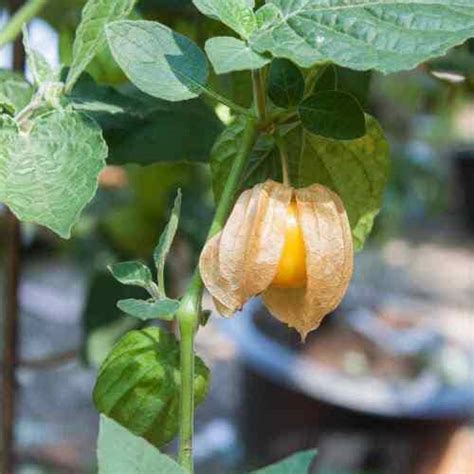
{"points": [[164, 309], [229, 54], [285, 83], [166, 240], [90, 35], [15, 89], [49, 174], [357, 170], [333, 114], [236, 14], [121, 452], [388, 35], [159, 61], [298, 463], [138, 384]]}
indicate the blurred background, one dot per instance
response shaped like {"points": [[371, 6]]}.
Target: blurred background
{"points": [[386, 386]]}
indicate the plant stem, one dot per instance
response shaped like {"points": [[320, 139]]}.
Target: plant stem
{"points": [[226, 101], [284, 159], [259, 94], [189, 310], [22, 16]]}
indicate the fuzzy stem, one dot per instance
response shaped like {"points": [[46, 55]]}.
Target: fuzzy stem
{"points": [[189, 310], [22, 16]]}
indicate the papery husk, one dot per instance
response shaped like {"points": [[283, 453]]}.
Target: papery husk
{"points": [[242, 260], [329, 262]]}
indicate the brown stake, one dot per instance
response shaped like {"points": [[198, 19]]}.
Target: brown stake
{"points": [[11, 320]]}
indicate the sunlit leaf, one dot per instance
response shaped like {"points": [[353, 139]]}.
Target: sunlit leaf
{"points": [[159, 61], [132, 273], [49, 174], [164, 309], [389, 35]]}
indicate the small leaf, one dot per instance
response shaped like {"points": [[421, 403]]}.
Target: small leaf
{"points": [[164, 309], [357, 170], [48, 175], [389, 35], [229, 54], [90, 34], [132, 273], [166, 240], [285, 83], [333, 114], [15, 89], [298, 463], [159, 61], [326, 79], [236, 14], [121, 452], [139, 384], [39, 66]]}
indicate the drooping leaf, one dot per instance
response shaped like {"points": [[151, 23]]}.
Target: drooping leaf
{"points": [[285, 83], [164, 309], [166, 240], [90, 34], [236, 14], [138, 384], [333, 114], [229, 54], [17, 91], [159, 61], [298, 463], [389, 35], [225, 149], [39, 66], [49, 174], [121, 452], [357, 170], [132, 273]]}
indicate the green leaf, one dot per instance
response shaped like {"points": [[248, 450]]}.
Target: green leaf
{"points": [[138, 384], [297, 463], [164, 309], [166, 240], [260, 165], [121, 452], [49, 174], [90, 34], [15, 89], [236, 14], [229, 54], [39, 66], [285, 83], [132, 273], [159, 61], [356, 170], [333, 114], [173, 132], [388, 35]]}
